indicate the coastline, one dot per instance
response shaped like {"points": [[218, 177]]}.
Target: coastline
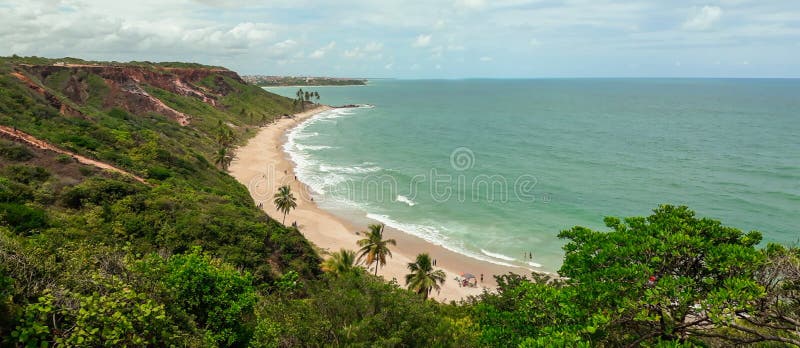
{"points": [[262, 166]]}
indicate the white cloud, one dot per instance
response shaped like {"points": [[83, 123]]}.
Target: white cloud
{"points": [[534, 42], [422, 40], [703, 18], [320, 52], [486, 59], [372, 49], [388, 66], [470, 4]]}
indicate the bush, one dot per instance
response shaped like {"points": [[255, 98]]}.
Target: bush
{"points": [[26, 174], [15, 152], [12, 191], [21, 218], [117, 316], [64, 159], [213, 294], [97, 191], [159, 173]]}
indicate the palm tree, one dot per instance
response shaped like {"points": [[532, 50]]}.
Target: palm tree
{"points": [[285, 201], [374, 247], [340, 262], [423, 278], [316, 95], [300, 98], [225, 136], [223, 157]]}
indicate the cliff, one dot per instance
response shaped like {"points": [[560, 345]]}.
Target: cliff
{"points": [[126, 86]]}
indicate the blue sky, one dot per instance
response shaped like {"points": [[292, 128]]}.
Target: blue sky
{"points": [[421, 39]]}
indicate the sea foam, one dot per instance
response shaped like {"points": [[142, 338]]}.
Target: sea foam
{"points": [[406, 200], [498, 256], [434, 236]]}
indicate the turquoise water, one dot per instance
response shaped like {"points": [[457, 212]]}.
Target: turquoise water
{"points": [[496, 168]]}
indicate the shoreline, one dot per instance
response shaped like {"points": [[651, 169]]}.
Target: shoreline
{"points": [[262, 166]]}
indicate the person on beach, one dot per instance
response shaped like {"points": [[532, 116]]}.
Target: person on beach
{"points": [[481, 277]]}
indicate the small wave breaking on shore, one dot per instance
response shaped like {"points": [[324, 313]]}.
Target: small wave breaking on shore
{"points": [[406, 200]]}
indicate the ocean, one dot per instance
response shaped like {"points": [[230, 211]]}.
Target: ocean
{"points": [[494, 169]]}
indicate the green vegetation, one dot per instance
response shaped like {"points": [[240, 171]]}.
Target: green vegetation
{"points": [[304, 97], [423, 278], [285, 201], [340, 262], [95, 258], [374, 248]]}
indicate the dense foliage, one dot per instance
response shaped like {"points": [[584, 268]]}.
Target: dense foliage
{"points": [[94, 258]]}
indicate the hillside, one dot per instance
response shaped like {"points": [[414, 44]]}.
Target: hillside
{"points": [[59, 208], [120, 227]]}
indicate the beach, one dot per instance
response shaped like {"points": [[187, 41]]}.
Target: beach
{"points": [[262, 166]]}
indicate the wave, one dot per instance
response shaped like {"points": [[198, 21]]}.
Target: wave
{"points": [[305, 135], [406, 200], [304, 164], [498, 256], [348, 170], [534, 264], [312, 147], [432, 235]]}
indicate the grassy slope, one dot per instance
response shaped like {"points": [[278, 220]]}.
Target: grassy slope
{"points": [[190, 202]]}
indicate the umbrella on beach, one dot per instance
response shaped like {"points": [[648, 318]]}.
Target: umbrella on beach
{"points": [[467, 275]]}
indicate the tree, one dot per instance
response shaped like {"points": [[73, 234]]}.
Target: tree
{"points": [[225, 136], [776, 315], [223, 157], [666, 277], [301, 98], [340, 262], [374, 248], [316, 95], [423, 278], [285, 201]]}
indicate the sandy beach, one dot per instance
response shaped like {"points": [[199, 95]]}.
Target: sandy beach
{"points": [[262, 166]]}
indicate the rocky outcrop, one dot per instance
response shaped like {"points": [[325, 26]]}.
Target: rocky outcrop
{"points": [[127, 86]]}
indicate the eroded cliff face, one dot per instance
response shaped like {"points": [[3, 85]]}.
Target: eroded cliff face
{"points": [[126, 86]]}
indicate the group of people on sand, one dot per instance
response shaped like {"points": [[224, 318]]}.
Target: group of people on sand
{"points": [[468, 281]]}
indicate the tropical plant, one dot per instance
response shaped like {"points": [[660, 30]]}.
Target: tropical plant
{"points": [[225, 136], [316, 95], [301, 98], [285, 201], [374, 248], [223, 157], [423, 278], [340, 262]]}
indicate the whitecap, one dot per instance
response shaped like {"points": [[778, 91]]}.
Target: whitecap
{"points": [[534, 264], [406, 200], [348, 170], [432, 235], [312, 147], [498, 256]]}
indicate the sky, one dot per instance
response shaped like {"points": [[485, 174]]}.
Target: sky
{"points": [[421, 39]]}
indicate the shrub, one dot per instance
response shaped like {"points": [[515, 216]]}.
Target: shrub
{"points": [[15, 152], [97, 191], [21, 218], [159, 173], [26, 174]]}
